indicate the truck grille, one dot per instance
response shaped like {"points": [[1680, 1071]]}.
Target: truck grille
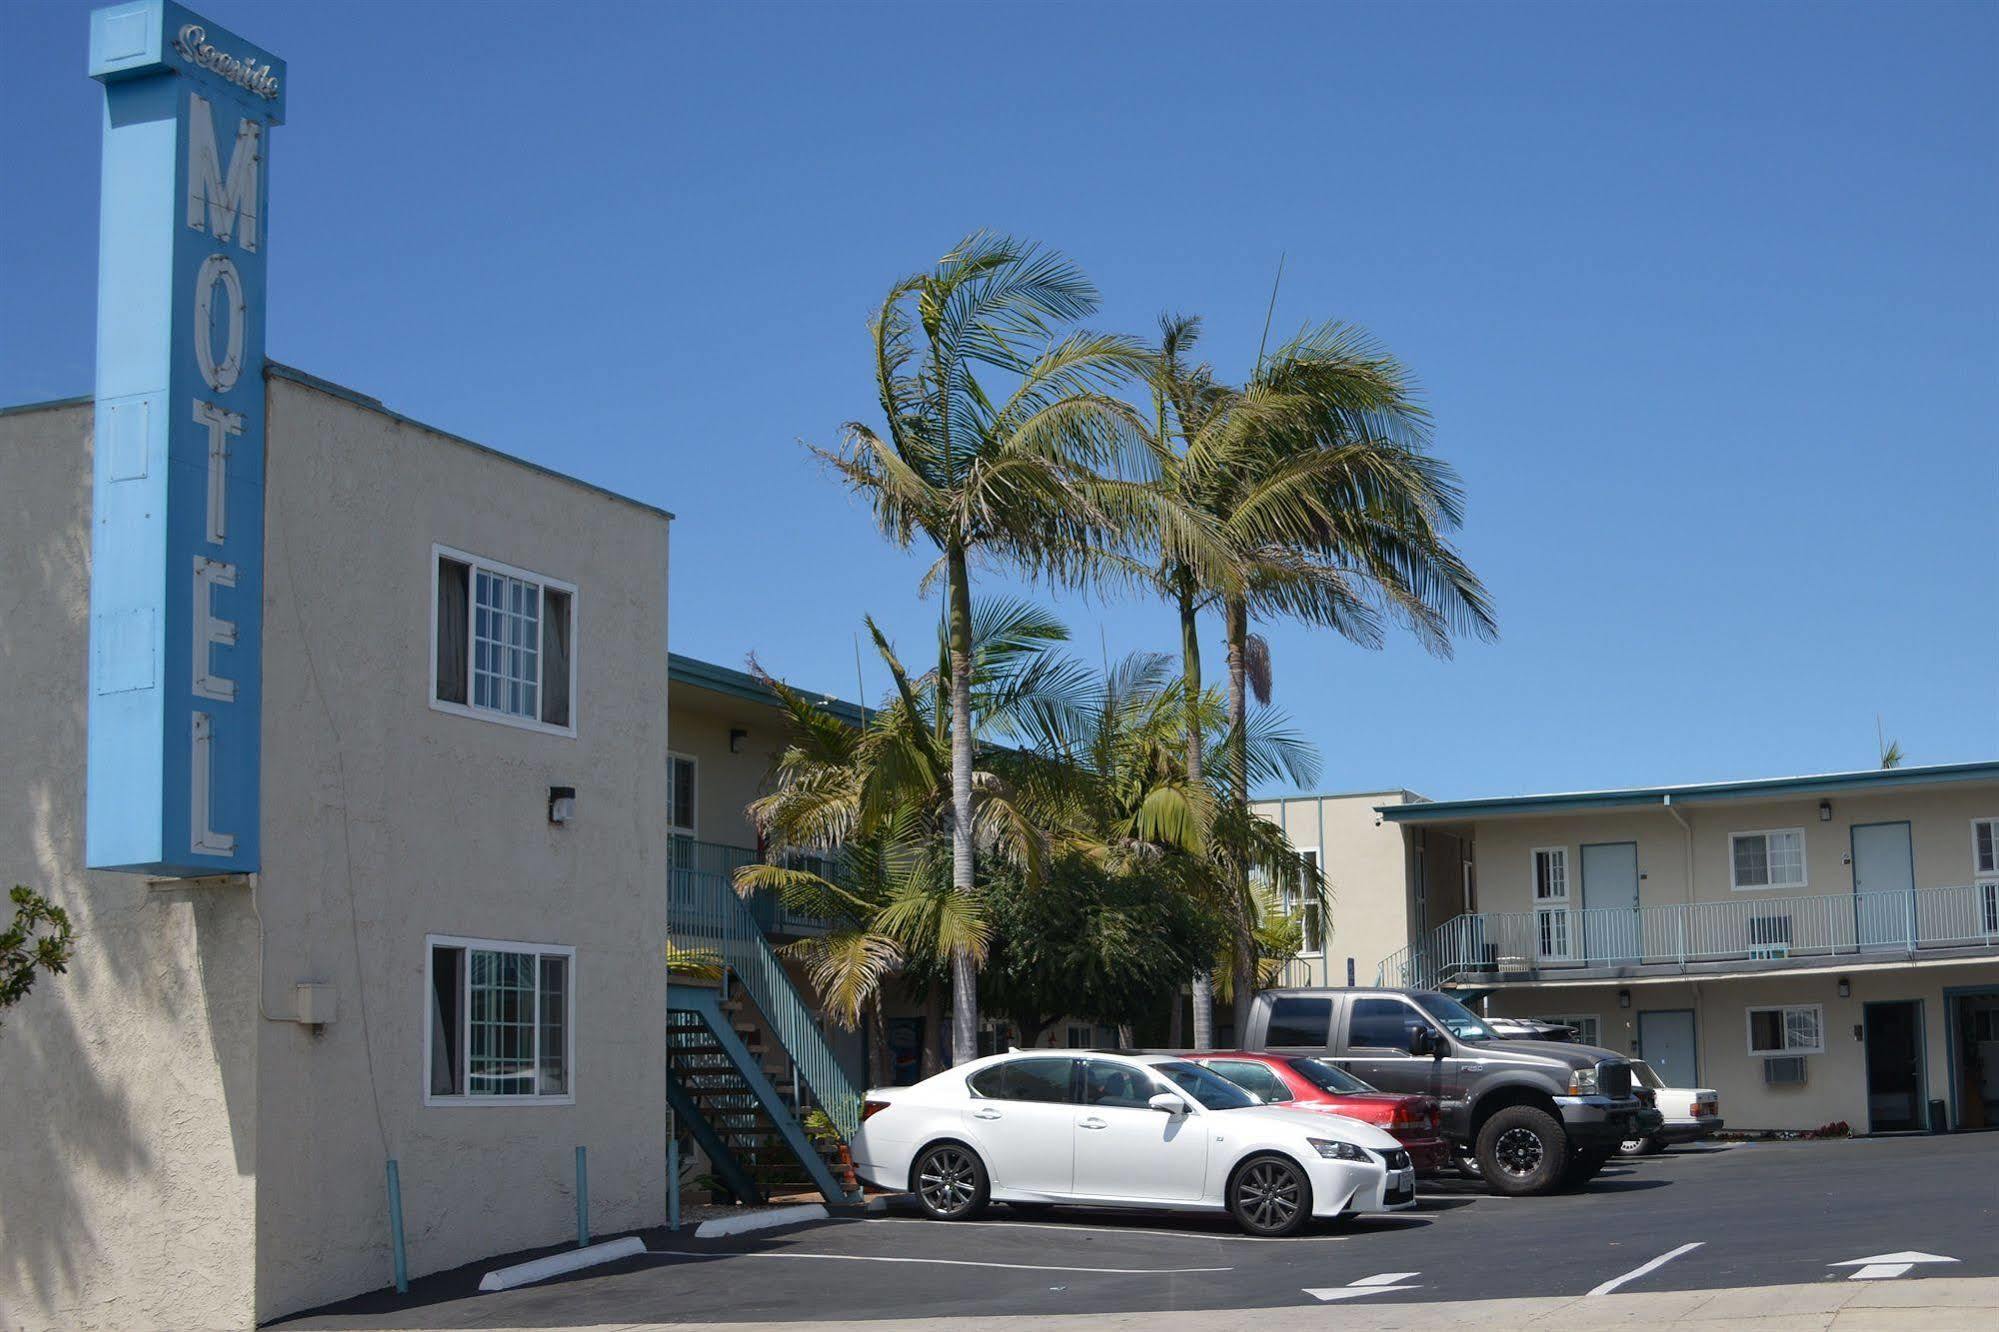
{"points": [[1613, 1079]]}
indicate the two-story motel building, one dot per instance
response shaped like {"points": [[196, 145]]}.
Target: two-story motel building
{"points": [[1820, 949]]}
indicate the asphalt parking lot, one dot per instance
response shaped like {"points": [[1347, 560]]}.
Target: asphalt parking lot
{"points": [[1694, 1219]]}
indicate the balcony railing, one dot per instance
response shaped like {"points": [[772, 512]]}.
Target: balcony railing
{"points": [[719, 860], [1553, 939], [705, 915]]}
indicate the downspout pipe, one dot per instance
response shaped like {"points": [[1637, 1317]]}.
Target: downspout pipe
{"points": [[1688, 830]]}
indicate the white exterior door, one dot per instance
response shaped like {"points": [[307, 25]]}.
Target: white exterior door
{"points": [[1126, 1149], [1884, 872]]}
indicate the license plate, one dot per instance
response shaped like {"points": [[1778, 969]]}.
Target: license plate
{"points": [[1404, 1181]]}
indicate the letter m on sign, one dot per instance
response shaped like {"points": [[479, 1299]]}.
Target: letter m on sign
{"points": [[220, 202]]}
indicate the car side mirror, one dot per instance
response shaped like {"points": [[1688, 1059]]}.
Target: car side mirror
{"points": [[1167, 1103], [1423, 1041]]}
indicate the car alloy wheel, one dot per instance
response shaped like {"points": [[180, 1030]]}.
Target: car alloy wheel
{"points": [[1519, 1152], [1270, 1197], [947, 1182]]}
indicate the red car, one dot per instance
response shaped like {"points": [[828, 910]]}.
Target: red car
{"points": [[1304, 1083]]}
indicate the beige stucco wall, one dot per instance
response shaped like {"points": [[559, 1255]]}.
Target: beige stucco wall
{"points": [[1836, 1089], [1940, 831], [171, 1160], [1367, 871], [725, 783], [387, 820], [127, 1086]]}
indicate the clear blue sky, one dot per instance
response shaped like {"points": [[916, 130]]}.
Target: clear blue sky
{"points": [[1703, 298]]}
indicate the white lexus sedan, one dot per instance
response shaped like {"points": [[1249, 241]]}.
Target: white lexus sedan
{"points": [[1034, 1128]]}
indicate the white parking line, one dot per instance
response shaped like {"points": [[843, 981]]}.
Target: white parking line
{"points": [[961, 1262], [1142, 1231], [1652, 1266]]}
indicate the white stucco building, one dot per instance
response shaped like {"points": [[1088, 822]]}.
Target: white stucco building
{"points": [[463, 727], [1819, 949]]}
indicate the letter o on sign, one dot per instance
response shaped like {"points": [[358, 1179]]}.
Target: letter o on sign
{"points": [[215, 269]]}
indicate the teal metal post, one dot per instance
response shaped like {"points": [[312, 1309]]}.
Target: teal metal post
{"points": [[396, 1229], [582, 1201], [672, 1174]]}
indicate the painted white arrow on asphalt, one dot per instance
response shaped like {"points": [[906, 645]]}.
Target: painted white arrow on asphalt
{"points": [[1883, 1266], [1378, 1284]]}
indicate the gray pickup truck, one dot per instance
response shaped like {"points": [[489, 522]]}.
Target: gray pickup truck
{"points": [[1536, 1116]]}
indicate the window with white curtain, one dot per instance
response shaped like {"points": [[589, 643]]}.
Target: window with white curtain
{"points": [[1771, 859], [502, 1022], [502, 643], [1787, 1030]]}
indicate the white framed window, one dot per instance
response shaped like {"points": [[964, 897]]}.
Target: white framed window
{"points": [[1773, 858], [502, 643], [1589, 1027], [1985, 848], [502, 1022], [1303, 902], [680, 809], [1791, 1029], [1079, 1038], [1551, 903]]}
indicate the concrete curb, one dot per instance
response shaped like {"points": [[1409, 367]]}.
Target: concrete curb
{"points": [[719, 1226], [556, 1264]]}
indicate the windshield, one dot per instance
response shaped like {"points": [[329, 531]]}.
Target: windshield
{"points": [[1212, 1090], [1328, 1077], [1461, 1021], [1646, 1075]]}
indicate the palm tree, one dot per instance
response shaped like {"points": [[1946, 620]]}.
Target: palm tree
{"points": [[1011, 472], [857, 823], [1317, 499]]}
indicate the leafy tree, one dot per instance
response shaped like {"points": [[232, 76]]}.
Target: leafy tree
{"points": [[996, 437], [39, 939]]}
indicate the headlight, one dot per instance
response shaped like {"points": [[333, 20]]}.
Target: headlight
{"points": [[1337, 1151], [1582, 1082]]}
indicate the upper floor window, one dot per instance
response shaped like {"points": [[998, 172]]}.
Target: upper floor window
{"points": [[1301, 900], [1551, 874], [502, 643], [1774, 859], [680, 794], [1985, 847]]}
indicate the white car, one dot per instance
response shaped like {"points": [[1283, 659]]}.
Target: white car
{"points": [[1033, 1128], [1692, 1113]]}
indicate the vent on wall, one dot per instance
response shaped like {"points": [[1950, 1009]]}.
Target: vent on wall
{"points": [[1788, 1071]]}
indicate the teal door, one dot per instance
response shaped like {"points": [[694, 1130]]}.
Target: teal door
{"points": [[1666, 1042], [1884, 881], [1610, 902]]}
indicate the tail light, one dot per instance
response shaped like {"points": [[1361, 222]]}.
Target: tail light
{"points": [[869, 1109]]}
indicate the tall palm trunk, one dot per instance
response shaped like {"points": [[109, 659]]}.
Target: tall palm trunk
{"points": [[1244, 973], [1190, 670], [964, 973]]}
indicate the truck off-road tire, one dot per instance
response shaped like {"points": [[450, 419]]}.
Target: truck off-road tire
{"points": [[1583, 1165], [1522, 1151], [949, 1182], [1640, 1147]]}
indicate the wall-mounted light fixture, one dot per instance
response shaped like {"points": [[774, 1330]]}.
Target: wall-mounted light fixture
{"points": [[1825, 811], [736, 737], [561, 804], [1624, 998], [1845, 988]]}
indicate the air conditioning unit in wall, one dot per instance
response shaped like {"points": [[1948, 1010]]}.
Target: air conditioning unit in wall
{"points": [[1789, 1071]]}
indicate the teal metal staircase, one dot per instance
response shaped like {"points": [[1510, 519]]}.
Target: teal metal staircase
{"points": [[744, 1058]]}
